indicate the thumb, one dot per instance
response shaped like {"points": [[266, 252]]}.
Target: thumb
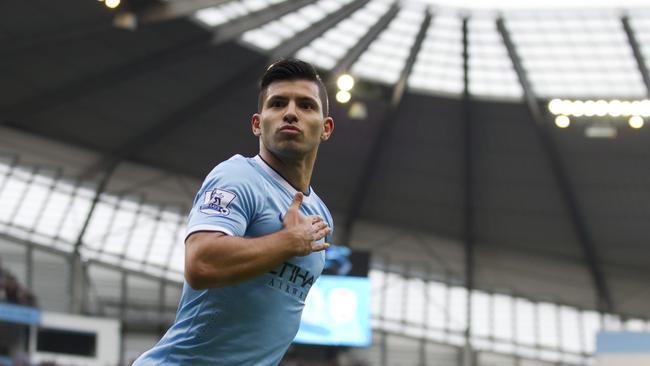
{"points": [[297, 201]]}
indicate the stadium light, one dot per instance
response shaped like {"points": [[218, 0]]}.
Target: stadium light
{"points": [[562, 121], [345, 82], [343, 96], [615, 108], [636, 122], [112, 3], [557, 106], [600, 108]]}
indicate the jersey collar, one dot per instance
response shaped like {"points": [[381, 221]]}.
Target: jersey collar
{"points": [[277, 176]]}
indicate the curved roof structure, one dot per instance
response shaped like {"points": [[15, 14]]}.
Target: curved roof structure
{"points": [[143, 100]]}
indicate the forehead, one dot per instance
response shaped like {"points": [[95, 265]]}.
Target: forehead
{"points": [[293, 89]]}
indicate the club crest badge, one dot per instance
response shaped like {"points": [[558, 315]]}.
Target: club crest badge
{"points": [[216, 202]]}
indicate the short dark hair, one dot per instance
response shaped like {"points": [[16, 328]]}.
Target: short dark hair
{"points": [[292, 69]]}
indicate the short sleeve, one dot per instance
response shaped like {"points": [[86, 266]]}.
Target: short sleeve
{"points": [[224, 203]]}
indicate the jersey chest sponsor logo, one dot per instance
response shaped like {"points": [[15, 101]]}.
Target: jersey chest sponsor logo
{"points": [[216, 202], [291, 279]]}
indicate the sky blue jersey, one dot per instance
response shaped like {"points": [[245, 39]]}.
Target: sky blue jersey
{"points": [[251, 323]]}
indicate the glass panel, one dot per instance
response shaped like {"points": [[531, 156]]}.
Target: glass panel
{"points": [[591, 326], [377, 279], [548, 332], [640, 24], [275, 32], [218, 15], [12, 193], [480, 314], [457, 309], [437, 306], [121, 227], [165, 238], [387, 54], [438, 65], [491, 71], [394, 297], [76, 214], [569, 320], [177, 260], [145, 225], [526, 324], [415, 304], [503, 317], [576, 54]]}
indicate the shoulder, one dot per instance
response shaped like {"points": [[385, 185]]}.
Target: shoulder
{"points": [[237, 164], [234, 180], [237, 170]]}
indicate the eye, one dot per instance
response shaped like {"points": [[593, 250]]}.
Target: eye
{"points": [[308, 105], [276, 103]]}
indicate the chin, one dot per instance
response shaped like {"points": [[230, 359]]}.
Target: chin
{"points": [[289, 150]]}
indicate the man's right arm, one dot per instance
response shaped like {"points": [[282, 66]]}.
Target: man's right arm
{"points": [[214, 259]]}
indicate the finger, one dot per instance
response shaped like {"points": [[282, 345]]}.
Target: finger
{"points": [[297, 201], [317, 247], [315, 219], [319, 225], [320, 234]]}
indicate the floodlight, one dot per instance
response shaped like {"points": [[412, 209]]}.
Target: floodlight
{"points": [[590, 108], [636, 122], [343, 96], [345, 82], [644, 108], [626, 108], [562, 121], [601, 108], [578, 108], [556, 106], [112, 3], [615, 108]]}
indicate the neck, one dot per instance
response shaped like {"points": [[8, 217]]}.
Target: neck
{"points": [[296, 171]]}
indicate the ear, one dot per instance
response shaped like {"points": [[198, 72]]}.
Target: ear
{"points": [[328, 129], [256, 120]]}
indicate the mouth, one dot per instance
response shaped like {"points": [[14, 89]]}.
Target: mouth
{"points": [[290, 130]]}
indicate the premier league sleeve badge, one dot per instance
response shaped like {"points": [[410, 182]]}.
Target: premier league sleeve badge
{"points": [[216, 202]]}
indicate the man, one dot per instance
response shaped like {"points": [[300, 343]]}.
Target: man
{"points": [[256, 235]]}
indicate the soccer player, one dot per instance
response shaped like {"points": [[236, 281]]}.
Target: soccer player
{"points": [[256, 235]]}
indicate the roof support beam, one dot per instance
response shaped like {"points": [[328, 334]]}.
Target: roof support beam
{"points": [[165, 10], [386, 127], [355, 52], [589, 251], [224, 32], [468, 196], [303, 38], [233, 29], [638, 55]]}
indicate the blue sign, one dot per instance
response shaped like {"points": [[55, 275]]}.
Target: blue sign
{"points": [[337, 312], [19, 314], [623, 342]]}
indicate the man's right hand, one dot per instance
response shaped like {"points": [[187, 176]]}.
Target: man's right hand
{"points": [[306, 230]]}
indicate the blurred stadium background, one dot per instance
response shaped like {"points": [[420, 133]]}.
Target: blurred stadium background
{"points": [[491, 158]]}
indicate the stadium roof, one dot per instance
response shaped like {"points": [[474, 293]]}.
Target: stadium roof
{"points": [[554, 215]]}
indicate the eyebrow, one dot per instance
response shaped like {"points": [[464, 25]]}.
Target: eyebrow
{"points": [[274, 98]]}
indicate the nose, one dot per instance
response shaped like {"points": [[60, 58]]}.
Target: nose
{"points": [[290, 115]]}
